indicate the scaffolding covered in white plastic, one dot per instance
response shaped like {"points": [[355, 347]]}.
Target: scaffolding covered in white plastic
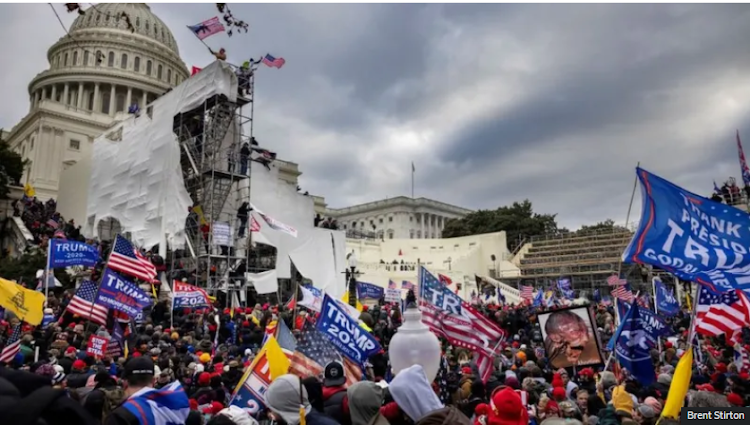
{"points": [[136, 176]]}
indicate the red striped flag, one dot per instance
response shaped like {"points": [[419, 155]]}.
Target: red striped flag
{"points": [[527, 293], [469, 329], [615, 280], [126, 259], [84, 306], [718, 314], [623, 293], [12, 347]]}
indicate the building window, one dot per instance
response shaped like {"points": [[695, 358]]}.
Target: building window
{"points": [[345, 227], [119, 103], [58, 61], [159, 70], [90, 102], [354, 225], [169, 76], [362, 224], [381, 221], [111, 59], [75, 58], [137, 64], [148, 68], [32, 145], [85, 58], [390, 220], [124, 61], [74, 144], [137, 22], [419, 234], [65, 60], [105, 101], [148, 27], [411, 234], [390, 234], [411, 218], [23, 150], [98, 17]]}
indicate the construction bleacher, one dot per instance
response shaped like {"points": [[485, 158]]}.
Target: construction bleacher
{"points": [[588, 259]]}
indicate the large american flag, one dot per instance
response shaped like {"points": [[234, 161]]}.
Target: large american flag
{"points": [[126, 259], [207, 28], [469, 329], [718, 314], [314, 351], [405, 284], [527, 292], [273, 62], [83, 304], [13, 346], [286, 339]]}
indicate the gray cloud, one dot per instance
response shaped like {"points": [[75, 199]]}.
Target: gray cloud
{"points": [[493, 103]]}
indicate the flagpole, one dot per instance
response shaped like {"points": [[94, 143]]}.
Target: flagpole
{"points": [[616, 336], [99, 285], [412, 180], [627, 222], [656, 306], [46, 271]]}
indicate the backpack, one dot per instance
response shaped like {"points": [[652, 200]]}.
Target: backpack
{"points": [[112, 398]]}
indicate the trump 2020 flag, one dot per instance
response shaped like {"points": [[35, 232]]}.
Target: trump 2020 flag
{"points": [[166, 406], [369, 291], [121, 294], [666, 303], [66, 253], [692, 237], [437, 293], [188, 296], [632, 347], [345, 333], [269, 364]]}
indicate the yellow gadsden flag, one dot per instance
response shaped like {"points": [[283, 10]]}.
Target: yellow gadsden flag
{"points": [[679, 387], [28, 305]]}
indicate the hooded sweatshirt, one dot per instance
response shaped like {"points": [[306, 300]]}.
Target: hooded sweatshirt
{"points": [[365, 399], [283, 398], [413, 394]]}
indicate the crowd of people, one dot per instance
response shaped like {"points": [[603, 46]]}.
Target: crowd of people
{"points": [[53, 380]]}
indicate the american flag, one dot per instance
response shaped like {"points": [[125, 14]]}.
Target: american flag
{"points": [[485, 366], [469, 329], [720, 313], [405, 284], [254, 225], [82, 302], [314, 352], [391, 284], [441, 379], [207, 28], [615, 280], [286, 339], [126, 259], [527, 292], [273, 62], [13, 346], [623, 293], [644, 301]]}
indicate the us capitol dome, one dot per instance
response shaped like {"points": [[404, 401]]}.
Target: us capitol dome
{"points": [[95, 73]]}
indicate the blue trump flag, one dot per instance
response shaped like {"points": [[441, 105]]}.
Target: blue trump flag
{"points": [[166, 406], [437, 294], [369, 291], [121, 294], [345, 333], [666, 303], [65, 253], [692, 237], [632, 347]]}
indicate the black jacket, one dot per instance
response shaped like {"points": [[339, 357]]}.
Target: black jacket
{"points": [[121, 416]]}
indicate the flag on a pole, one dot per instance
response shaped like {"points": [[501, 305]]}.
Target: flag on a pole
{"points": [[718, 314], [126, 259], [83, 304], [743, 162], [207, 28], [12, 347], [273, 62]]}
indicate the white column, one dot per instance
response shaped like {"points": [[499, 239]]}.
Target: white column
{"points": [[97, 107], [128, 100], [421, 225], [66, 91], [112, 101], [144, 99], [44, 93], [36, 98], [54, 93], [79, 101]]}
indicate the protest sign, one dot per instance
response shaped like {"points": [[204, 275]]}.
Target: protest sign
{"points": [[97, 346]]}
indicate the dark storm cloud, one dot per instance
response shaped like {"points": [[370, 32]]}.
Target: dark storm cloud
{"points": [[494, 103]]}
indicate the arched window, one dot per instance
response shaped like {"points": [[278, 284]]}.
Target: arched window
{"points": [[90, 101], [158, 72], [107, 17], [137, 64], [148, 68], [65, 60], [111, 59], [124, 61], [137, 22], [98, 17], [98, 58], [58, 61], [32, 145], [85, 58], [147, 26], [119, 102], [105, 101], [169, 76], [156, 30], [75, 58]]}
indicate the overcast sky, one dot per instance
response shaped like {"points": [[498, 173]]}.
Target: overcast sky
{"points": [[493, 103]]}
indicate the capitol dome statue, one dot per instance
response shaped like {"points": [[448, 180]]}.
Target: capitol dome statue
{"points": [[96, 72]]}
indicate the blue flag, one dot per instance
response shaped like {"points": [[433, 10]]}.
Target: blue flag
{"points": [[437, 294], [369, 291], [66, 253], [666, 302], [632, 346], [121, 294], [538, 298], [345, 333], [564, 286], [166, 406], [597, 296], [690, 236]]}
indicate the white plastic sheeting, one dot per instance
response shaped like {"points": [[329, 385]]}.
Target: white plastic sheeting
{"points": [[138, 180], [265, 282], [318, 254]]}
